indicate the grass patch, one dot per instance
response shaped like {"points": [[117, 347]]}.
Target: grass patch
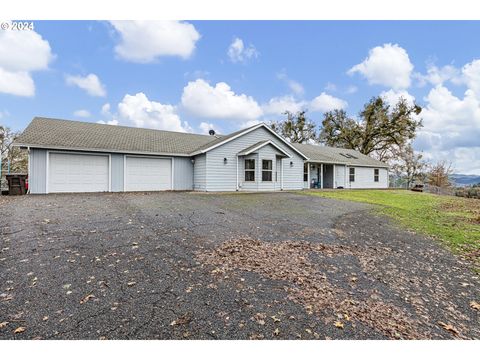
{"points": [[453, 220]]}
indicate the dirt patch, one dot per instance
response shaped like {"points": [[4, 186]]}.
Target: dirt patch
{"points": [[307, 284], [469, 206]]}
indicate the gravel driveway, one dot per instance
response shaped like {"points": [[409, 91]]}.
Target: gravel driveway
{"points": [[223, 266]]}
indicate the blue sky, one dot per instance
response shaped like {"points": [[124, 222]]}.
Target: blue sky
{"points": [[195, 75]]}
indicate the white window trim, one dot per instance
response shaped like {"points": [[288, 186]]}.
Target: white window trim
{"points": [[245, 170], [78, 153], [271, 171]]}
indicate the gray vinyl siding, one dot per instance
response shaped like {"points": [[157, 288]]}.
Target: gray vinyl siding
{"points": [[200, 173], [222, 176], [266, 153], [117, 172], [364, 178], [182, 174], [38, 171]]}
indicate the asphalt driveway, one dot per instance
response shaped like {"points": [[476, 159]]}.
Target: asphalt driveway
{"points": [[223, 266]]}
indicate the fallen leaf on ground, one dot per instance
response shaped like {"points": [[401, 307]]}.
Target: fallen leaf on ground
{"points": [[276, 332], [275, 319], [475, 305], [338, 324], [131, 283], [448, 327], [19, 330], [86, 298], [3, 324], [45, 318], [184, 319]]}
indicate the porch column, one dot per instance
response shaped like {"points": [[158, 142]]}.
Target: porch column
{"points": [[308, 176], [321, 176], [334, 185]]}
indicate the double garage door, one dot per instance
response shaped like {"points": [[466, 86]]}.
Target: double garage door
{"points": [[73, 172]]}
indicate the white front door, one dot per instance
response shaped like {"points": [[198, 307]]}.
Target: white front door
{"points": [[77, 172], [278, 174], [148, 174]]}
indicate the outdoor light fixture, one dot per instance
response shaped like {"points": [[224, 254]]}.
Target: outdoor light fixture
{"points": [[291, 163], [193, 161], [312, 166], [224, 160]]}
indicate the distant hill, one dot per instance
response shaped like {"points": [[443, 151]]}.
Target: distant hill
{"points": [[464, 180]]}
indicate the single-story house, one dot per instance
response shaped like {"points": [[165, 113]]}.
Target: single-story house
{"points": [[74, 156]]}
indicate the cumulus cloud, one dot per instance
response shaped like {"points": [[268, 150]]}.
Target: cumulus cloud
{"points": [[387, 65], [393, 96], [81, 113], [471, 76], [23, 52], [294, 86], [141, 112], [278, 105], [105, 110], [218, 102], [146, 41], [238, 52], [325, 102], [90, 83], [108, 122], [451, 128], [437, 75]]}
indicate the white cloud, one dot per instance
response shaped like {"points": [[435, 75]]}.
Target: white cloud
{"points": [[105, 109], [278, 105], [81, 113], [141, 112], [218, 102], [22, 53], [294, 86], [437, 76], [387, 65], [325, 102], [90, 83], [237, 52], [109, 122], [146, 41], [393, 96], [352, 89], [205, 127], [471, 76], [451, 129]]}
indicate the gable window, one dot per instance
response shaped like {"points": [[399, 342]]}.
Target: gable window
{"points": [[249, 169], [352, 174], [376, 175], [267, 170], [305, 172]]}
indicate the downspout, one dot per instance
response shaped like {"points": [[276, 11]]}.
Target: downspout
{"points": [[281, 183], [28, 170]]}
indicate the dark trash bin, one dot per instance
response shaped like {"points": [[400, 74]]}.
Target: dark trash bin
{"points": [[17, 184]]}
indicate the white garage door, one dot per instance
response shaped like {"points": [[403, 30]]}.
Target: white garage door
{"points": [[77, 173], [148, 174]]}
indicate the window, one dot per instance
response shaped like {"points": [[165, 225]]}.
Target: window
{"points": [[249, 169], [305, 172], [266, 170], [352, 174], [376, 173]]}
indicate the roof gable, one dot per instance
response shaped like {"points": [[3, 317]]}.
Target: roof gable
{"points": [[260, 145], [240, 133]]}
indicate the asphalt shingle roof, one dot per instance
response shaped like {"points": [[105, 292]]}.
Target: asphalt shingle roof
{"points": [[78, 135], [46, 132], [329, 154]]}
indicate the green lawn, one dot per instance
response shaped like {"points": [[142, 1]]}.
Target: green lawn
{"points": [[453, 220]]}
